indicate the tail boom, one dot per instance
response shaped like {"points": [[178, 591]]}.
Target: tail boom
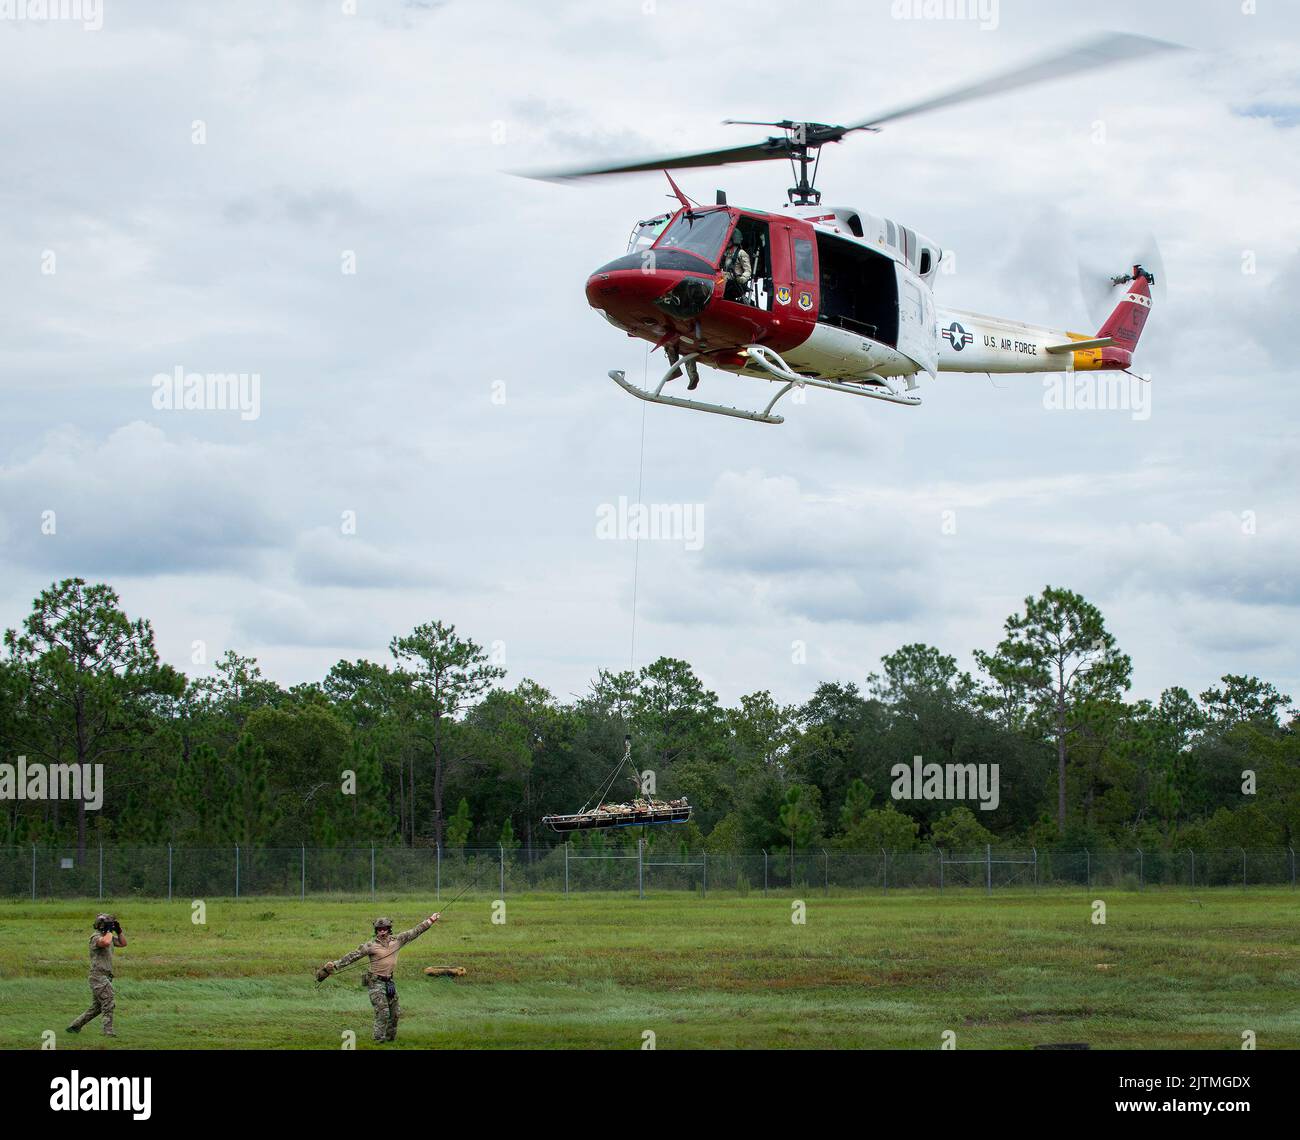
{"points": [[971, 342]]}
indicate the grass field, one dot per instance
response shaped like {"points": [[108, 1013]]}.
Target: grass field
{"points": [[1168, 969]]}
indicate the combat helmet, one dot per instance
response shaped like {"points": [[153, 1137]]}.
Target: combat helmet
{"points": [[104, 922], [381, 923]]}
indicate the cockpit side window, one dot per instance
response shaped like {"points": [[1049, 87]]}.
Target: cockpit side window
{"points": [[645, 234]]}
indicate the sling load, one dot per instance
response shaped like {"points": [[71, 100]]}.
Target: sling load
{"points": [[637, 812]]}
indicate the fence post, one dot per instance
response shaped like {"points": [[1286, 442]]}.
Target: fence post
{"points": [[372, 870], [705, 864], [941, 870], [988, 868], [101, 871], [640, 869], [33, 872], [169, 872], [304, 872], [437, 871], [236, 870], [885, 868], [1035, 851], [1142, 877], [826, 871], [1087, 863], [502, 849], [566, 868], [1193, 855], [1292, 850], [1243, 868], [764, 872]]}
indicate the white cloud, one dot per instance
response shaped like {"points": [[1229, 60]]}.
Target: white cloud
{"points": [[135, 503]]}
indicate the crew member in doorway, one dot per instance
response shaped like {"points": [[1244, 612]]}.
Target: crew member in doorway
{"points": [[737, 269]]}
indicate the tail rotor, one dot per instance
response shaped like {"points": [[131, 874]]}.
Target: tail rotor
{"points": [[1103, 272]]}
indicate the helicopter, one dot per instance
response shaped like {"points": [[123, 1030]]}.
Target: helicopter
{"points": [[834, 297]]}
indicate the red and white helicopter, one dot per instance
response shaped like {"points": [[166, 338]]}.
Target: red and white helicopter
{"points": [[837, 298]]}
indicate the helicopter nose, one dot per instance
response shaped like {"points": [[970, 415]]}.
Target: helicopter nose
{"points": [[631, 295], [620, 287]]}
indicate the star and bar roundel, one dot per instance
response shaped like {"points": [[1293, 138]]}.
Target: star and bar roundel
{"points": [[957, 336]]}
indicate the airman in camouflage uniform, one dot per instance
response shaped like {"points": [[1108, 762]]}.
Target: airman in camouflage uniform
{"points": [[108, 933], [737, 269], [378, 979]]}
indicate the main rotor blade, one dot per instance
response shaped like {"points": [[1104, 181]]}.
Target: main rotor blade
{"points": [[755, 152], [1102, 51]]}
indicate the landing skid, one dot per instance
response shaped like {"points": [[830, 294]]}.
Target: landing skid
{"points": [[873, 386]]}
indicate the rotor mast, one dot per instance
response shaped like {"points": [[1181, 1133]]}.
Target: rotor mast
{"points": [[802, 144]]}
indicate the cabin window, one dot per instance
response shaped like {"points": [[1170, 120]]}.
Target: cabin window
{"points": [[803, 259], [859, 289], [890, 234], [913, 298], [927, 261]]}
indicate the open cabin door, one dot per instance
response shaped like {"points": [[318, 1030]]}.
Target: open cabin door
{"points": [[918, 331]]}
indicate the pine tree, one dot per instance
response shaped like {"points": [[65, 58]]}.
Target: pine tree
{"points": [[249, 815], [202, 792], [459, 826]]}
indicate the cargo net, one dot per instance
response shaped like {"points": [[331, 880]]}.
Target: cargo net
{"points": [[637, 812]]}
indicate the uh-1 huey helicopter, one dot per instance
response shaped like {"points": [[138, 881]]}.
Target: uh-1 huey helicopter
{"points": [[835, 297]]}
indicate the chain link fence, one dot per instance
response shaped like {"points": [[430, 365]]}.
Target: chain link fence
{"points": [[205, 872]]}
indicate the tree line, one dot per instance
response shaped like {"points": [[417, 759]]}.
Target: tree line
{"points": [[432, 747]]}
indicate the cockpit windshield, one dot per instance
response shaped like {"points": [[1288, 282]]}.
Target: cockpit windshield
{"points": [[699, 233]]}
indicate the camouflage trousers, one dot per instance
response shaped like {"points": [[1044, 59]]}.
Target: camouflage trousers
{"points": [[102, 1002], [383, 996]]}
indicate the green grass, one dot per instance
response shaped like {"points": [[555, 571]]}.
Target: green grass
{"points": [[1168, 969]]}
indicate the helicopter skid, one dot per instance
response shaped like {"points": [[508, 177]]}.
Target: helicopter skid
{"points": [[765, 360], [656, 397]]}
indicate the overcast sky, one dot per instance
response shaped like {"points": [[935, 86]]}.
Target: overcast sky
{"points": [[180, 188]]}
